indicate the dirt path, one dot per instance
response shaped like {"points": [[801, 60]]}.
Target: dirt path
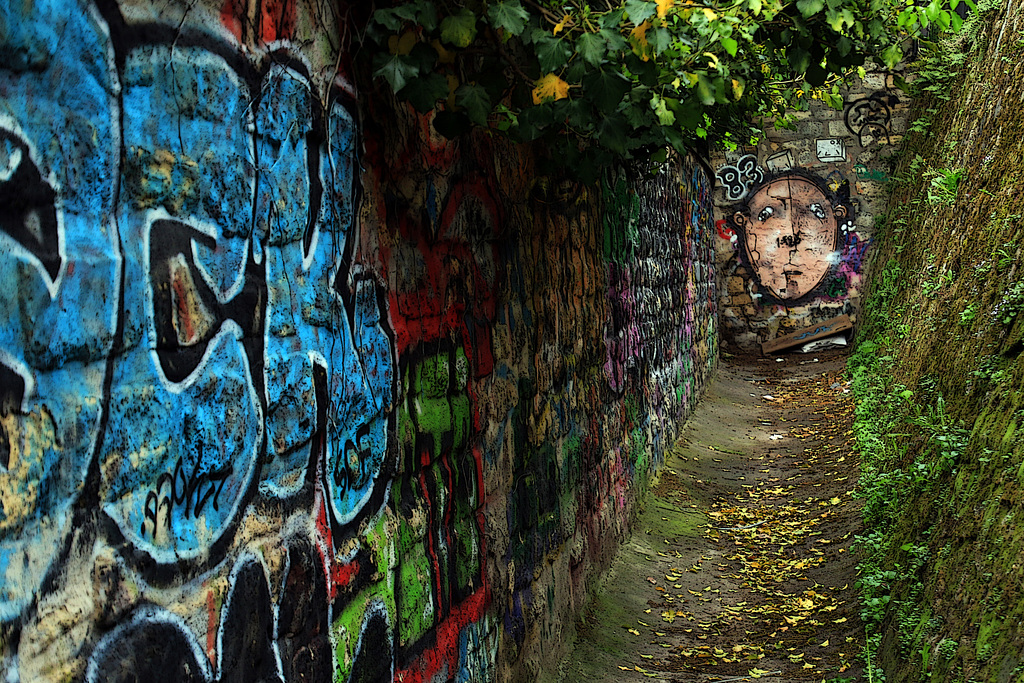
{"points": [[740, 567]]}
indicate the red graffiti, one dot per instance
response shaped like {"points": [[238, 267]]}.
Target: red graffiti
{"points": [[455, 293], [232, 14], [724, 231], [276, 19], [444, 655], [211, 627]]}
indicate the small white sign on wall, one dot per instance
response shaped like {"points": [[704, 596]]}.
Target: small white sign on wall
{"points": [[780, 161], [831, 150]]}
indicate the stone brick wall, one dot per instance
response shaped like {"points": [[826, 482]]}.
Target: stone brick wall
{"points": [[823, 183], [291, 387]]}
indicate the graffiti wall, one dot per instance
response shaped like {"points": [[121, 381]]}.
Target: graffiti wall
{"points": [[293, 389], [795, 215]]}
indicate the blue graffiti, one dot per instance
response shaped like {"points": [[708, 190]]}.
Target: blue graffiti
{"points": [[184, 397], [820, 329], [328, 370], [59, 269], [211, 342]]}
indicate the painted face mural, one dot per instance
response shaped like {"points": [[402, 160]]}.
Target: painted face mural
{"points": [[790, 228], [59, 273]]}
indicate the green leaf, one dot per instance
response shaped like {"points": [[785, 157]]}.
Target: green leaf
{"points": [[475, 100], [388, 18], [799, 59], [730, 45], [638, 116], [665, 116], [533, 121], [424, 92], [606, 89], [614, 39], [705, 90], [892, 56], [809, 8], [397, 70], [646, 72], [639, 11], [754, 6], [660, 39], [552, 54], [428, 15], [581, 114], [508, 15], [592, 47], [459, 29], [689, 115], [611, 133], [816, 75], [407, 12], [612, 19]]}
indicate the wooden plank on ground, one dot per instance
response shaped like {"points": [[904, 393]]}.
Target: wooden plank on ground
{"points": [[808, 334]]}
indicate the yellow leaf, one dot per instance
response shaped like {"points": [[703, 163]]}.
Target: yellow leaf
{"points": [[444, 56], [825, 644], [561, 25], [550, 87], [664, 6], [835, 501], [710, 14], [737, 88], [839, 621], [639, 36], [406, 43], [640, 32]]}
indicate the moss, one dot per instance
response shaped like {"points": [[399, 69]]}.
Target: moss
{"points": [[965, 258]]}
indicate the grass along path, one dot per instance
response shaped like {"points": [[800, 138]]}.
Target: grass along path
{"points": [[740, 567]]}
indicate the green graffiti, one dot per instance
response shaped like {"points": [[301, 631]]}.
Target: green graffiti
{"points": [[437, 495]]}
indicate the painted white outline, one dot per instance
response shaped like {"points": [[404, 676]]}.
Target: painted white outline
{"points": [[14, 247], [14, 161], [23, 371], [246, 557], [226, 327], [147, 614]]}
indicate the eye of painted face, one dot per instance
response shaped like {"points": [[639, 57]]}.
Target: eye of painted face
{"points": [[766, 213], [818, 210]]}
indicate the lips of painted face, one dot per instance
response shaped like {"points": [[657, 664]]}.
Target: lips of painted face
{"points": [[790, 235]]}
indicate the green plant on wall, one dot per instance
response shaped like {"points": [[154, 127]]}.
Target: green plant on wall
{"points": [[943, 185]]}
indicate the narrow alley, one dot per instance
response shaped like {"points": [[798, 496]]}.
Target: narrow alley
{"points": [[741, 566]]}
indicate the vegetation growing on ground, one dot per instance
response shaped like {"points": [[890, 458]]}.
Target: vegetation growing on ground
{"points": [[937, 376]]}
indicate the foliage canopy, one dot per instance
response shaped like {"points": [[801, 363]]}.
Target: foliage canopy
{"points": [[629, 78]]}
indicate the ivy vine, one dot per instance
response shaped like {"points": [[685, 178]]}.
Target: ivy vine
{"points": [[628, 79]]}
